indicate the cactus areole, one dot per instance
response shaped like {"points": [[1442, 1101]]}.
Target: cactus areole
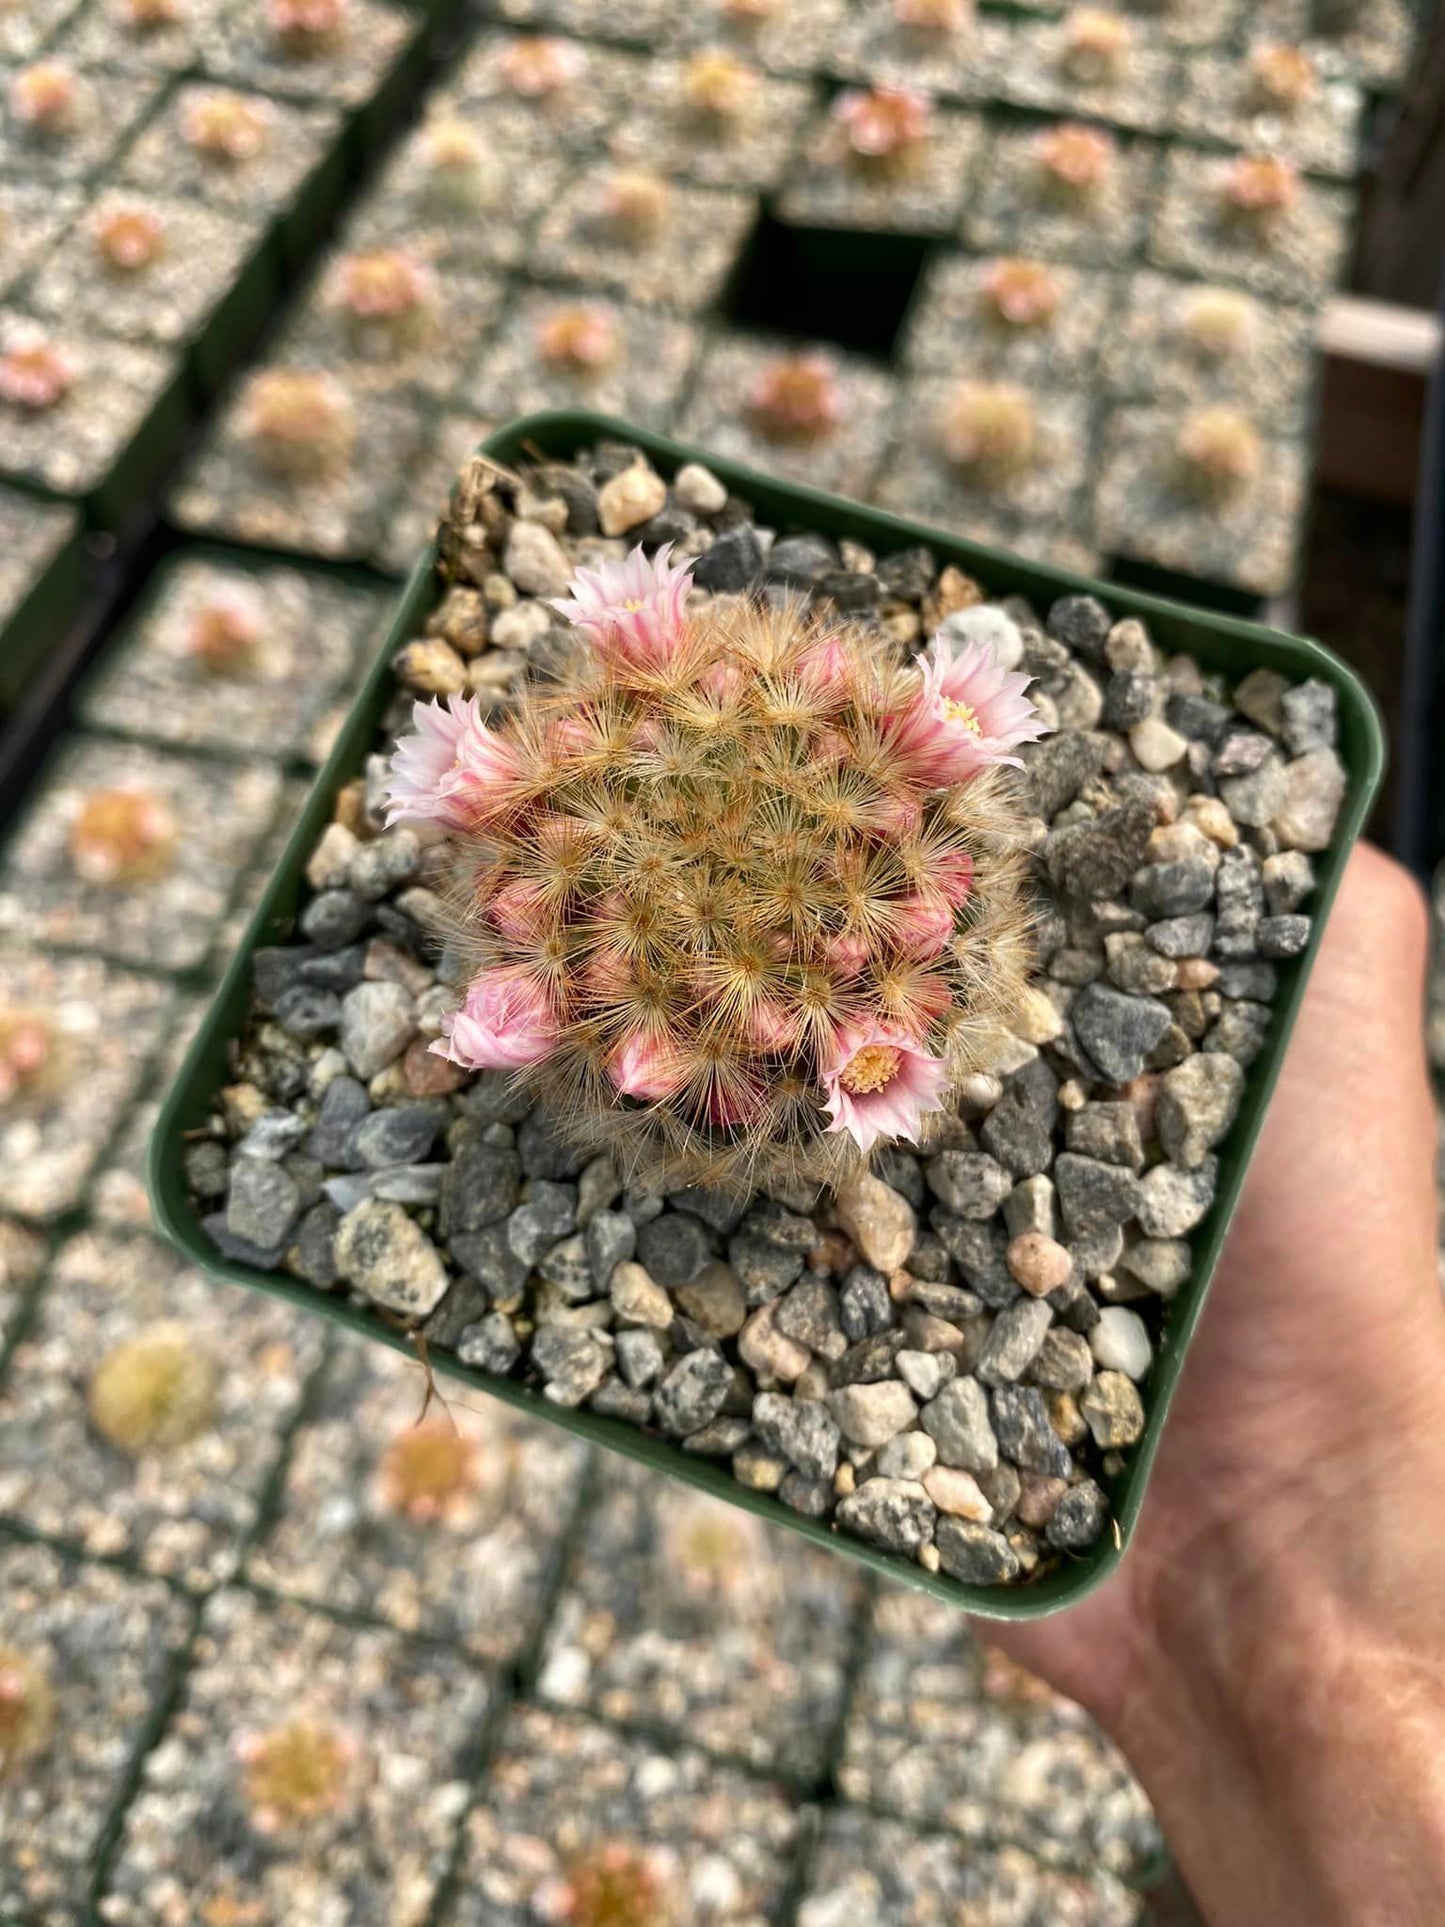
{"points": [[738, 886]]}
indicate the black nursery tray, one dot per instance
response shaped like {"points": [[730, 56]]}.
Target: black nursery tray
{"points": [[1217, 642]]}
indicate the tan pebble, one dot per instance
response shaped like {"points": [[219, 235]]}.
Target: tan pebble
{"points": [[630, 499], [1177, 842], [1072, 1095], [1065, 1417], [1036, 1019], [1039, 1495], [1156, 746], [241, 1105], [1127, 646], [637, 1298], [433, 667], [953, 591], [1143, 1094], [957, 1493], [350, 809], [879, 1220], [769, 1352], [427, 1074], [330, 861], [904, 625], [495, 670], [1195, 973], [551, 511], [979, 1092], [1213, 820], [845, 1480], [928, 1557], [1039, 1263]]}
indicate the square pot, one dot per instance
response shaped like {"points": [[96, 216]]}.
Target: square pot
{"points": [[1298, 255], [1218, 643]]}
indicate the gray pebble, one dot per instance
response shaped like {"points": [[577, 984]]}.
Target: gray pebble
{"points": [[870, 1415], [1289, 881], [378, 1021], [864, 1306], [573, 1361], [1094, 1197], [1181, 888], [1019, 1130], [1309, 717], [1172, 1202], [692, 1393], [306, 1013], [801, 1430], [545, 1152], [1286, 936], [264, 1202], [1079, 1518], [958, 1423], [810, 1314], [674, 1248], [640, 1356], [892, 1513], [731, 564], [1108, 1132], [1240, 895], [1197, 1103], [970, 1183], [1025, 1436], [1118, 1031], [481, 1186], [1013, 1341], [766, 1270], [975, 1554], [1182, 936], [490, 1345], [549, 1214], [400, 1134], [387, 1255], [565, 1267], [611, 1239]]}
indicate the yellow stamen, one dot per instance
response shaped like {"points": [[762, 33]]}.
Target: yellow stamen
{"points": [[871, 1069], [964, 715]]}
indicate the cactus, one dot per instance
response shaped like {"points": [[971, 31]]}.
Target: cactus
{"points": [[47, 99], [536, 65], [884, 128], [1219, 454], [152, 16], [1021, 294], [226, 127], [36, 373], [1259, 189], [583, 340], [297, 1774], [304, 29], [989, 429], [386, 296], [1217, 323], [1074, 161], [796, 399], [428, 1472], [615, 1884], [718, 89], [224, 633], [1282, 78], [714, 1552], [740, 893], [27, 1710], [749, 13], [123, 836], [129, 239], [935, 18], [299, 423], [155, 1391], [28, 1055], [636, 207], [463, 176], [1096, 45]]}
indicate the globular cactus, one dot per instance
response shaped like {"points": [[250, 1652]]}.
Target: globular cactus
{"points": [[1220, 454], [989, 430], [226, 127], [385, 298], [306, 28], [123, 836], [36, 373], [224, 633], [796, 399], [582, 340], [613, 1884], [537, 65], [130, 239], [462, 174], [1074, 161], [718, 89], [1217, 323], [151, 16], [152, 1393], [739, 892], [935, 18], [1282, 79], [48, 100], [429, 1472], [1021, 294], [27, 1710], [1259, 190], [29, 1050], [884, 128], [298, 1774], [298, 422], [1096, 45]]}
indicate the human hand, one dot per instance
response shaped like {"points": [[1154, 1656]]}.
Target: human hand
{"points": [[1271, 1653]]}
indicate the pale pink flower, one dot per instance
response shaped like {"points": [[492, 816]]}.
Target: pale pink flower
{"points": [[952, 877], [451, 770], [826, 665], [771, 1026], [647, 1067], [519, 910], [846, 953], [633, 610], [505, 1022], [883, 122], [35, 372], [971, 714], [881, 1083], [922, 925]]}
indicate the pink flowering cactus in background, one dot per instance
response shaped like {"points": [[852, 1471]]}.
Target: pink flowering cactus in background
{"points": [[881, 1083], [971, 714], [451, 770], [882, 123], [35, 372], [633, 610], [541, 64], [505, 1022]]}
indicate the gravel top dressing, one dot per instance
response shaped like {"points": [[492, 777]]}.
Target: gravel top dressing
{"points": [[948, 1357], [32, 534], [1294, 253], [961, 325], [33, 216], [277, 146]]}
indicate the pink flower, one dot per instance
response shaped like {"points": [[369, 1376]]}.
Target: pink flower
{"points": [[825, 665], [647, 1067], [633, 610], [771, 1026], [452, 770], [970, 714], [519, 910], [504, 1023], [952, 877], [922, 925], [881, 1083], [846, 953]]}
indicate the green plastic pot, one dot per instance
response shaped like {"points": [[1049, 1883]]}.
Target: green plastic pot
{"points": [[1218, 642]]}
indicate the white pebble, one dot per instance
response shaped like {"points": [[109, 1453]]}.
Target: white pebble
{"points": [[698, 490], [1156, 746], [1120, 1342], [987, 624]]}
